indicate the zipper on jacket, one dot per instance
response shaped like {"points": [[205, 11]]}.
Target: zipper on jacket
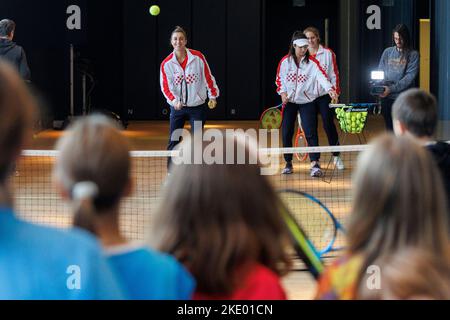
{"points": [[184, 103]]}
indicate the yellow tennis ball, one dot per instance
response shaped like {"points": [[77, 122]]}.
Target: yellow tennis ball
{"points": [[154, 10]]}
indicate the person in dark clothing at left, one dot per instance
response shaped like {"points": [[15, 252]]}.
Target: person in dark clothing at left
{"points": [[12, 52]]}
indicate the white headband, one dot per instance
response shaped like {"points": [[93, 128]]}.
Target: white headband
{"points": [[301, 42]]}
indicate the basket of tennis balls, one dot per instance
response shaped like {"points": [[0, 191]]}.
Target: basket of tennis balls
{"points": [[351, 120]]}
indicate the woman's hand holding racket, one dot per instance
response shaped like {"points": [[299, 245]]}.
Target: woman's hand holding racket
{"points": [[333, 94], [284, 98]]}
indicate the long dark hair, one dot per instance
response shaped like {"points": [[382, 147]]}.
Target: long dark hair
{"points": [[297, 35], [405, 35]]}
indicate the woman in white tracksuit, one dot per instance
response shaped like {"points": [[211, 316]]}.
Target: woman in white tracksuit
{"points": [[327, 60], [300, 79], [186, 82]]}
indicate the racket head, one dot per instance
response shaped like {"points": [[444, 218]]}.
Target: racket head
{"points": [[303, 247], [272, 118], [301, 142], [315, 218]]}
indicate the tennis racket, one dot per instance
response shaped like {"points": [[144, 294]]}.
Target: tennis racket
{"points": [[303, 247], [272, 118], [323, 229], [300, 140]]}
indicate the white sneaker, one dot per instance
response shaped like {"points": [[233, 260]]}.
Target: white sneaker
{"points": [[338, 163], [316, 170], [288, 169]]}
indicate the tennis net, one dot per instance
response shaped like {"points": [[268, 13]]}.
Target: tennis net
{"points": [[37, 199]]}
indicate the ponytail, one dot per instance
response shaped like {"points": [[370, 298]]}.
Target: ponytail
{"points": [[83, 195]]}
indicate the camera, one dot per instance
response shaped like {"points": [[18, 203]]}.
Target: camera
{"points": [[378, 84]]}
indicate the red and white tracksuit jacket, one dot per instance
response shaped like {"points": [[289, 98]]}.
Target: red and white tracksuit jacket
{"points": [[303, 84], [190, 86], [327, 60]]}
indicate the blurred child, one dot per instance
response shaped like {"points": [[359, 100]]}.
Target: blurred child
{"points": [[93, 173], [415, 114], [398, 204], [222, 222], [38, 262]]}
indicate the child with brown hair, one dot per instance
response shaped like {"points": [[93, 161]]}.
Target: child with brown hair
{"points": [[222, 221]]}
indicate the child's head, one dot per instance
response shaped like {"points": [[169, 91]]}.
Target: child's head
{"points": [[93, 168], [17, 108], [218, 219], [411, 274], [415, 112], [399, 200]]}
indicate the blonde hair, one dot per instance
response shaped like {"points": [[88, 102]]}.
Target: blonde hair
{"points": [[17, 112], [399, 201], [313, 30], [411, 274], [93, 153]]}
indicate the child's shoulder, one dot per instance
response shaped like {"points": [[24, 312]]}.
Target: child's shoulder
{"points": [[261, 283], [144, 256]]}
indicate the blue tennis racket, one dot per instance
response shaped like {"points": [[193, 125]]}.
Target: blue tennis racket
{"points": [[302, 245], [321, 227]]}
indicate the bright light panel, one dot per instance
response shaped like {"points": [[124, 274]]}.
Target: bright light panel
{"points": [[377, 75]]}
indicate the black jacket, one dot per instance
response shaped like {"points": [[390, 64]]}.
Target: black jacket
{"points": [[15, 54], [441, 154]]}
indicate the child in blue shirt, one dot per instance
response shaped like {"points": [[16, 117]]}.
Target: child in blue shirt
{"points": [[93, 172], [38, 262]]}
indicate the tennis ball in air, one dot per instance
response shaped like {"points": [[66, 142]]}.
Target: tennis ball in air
{"points": [[154, 10]]}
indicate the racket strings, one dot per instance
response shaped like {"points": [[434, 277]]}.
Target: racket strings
{"points": [[315, 221], [272, 119]]}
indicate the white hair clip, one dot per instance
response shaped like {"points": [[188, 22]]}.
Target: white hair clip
{"points": [[84, 190]]}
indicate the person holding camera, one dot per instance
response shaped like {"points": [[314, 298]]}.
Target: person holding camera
{"points": [[400, 65]]}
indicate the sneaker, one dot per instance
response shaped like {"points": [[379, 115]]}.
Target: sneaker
{"points": [[316, 171], [338, 163], [288, 169]]}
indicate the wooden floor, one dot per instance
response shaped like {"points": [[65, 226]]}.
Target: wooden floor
{"points": [[153, 135]]}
